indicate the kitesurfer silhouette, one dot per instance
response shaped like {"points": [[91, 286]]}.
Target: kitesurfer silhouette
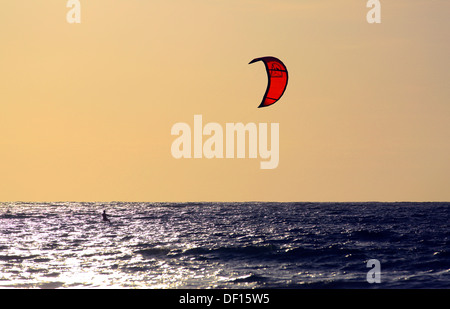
{"points": [[105, 217]]}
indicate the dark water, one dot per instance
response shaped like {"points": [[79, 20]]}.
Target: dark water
{"points": [[224, 245]]}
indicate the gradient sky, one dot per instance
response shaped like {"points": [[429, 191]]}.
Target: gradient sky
{"points": [[86, 109]]}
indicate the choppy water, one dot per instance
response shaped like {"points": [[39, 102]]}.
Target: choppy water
{"points": [[224, 245]]}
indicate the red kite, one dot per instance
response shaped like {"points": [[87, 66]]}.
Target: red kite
{"points": [[278, 79]]}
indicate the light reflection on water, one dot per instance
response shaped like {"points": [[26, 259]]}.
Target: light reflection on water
{"points": [[67, 245]]}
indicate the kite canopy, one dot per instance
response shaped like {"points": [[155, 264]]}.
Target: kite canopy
{"points": [[278, 79]]}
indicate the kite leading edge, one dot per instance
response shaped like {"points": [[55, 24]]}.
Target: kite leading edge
{"points": [[277, 79]]}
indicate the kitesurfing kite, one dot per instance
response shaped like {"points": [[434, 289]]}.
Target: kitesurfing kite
{"points": [[278, 79]]}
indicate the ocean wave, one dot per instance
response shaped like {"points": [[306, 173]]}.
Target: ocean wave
{"points": [[329, 252], [372, 235], [231, 251], [15, 216], [17, 258], [250, 278], [153, 252]]}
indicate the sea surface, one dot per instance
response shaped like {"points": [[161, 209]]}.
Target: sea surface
{"points": [[224, 245]]}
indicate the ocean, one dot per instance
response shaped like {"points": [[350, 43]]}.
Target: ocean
{"points": [[224, 245]]}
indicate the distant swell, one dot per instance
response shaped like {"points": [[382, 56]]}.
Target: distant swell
{"points": [[153, 252], [259, 252], [16, 257], [371, 235], [233, 251], [217, 252]]}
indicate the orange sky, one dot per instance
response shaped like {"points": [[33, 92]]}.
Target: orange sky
{"points": [[86, 109]]}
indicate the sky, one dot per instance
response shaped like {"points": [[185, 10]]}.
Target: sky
{"points": [[86, 109]]}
